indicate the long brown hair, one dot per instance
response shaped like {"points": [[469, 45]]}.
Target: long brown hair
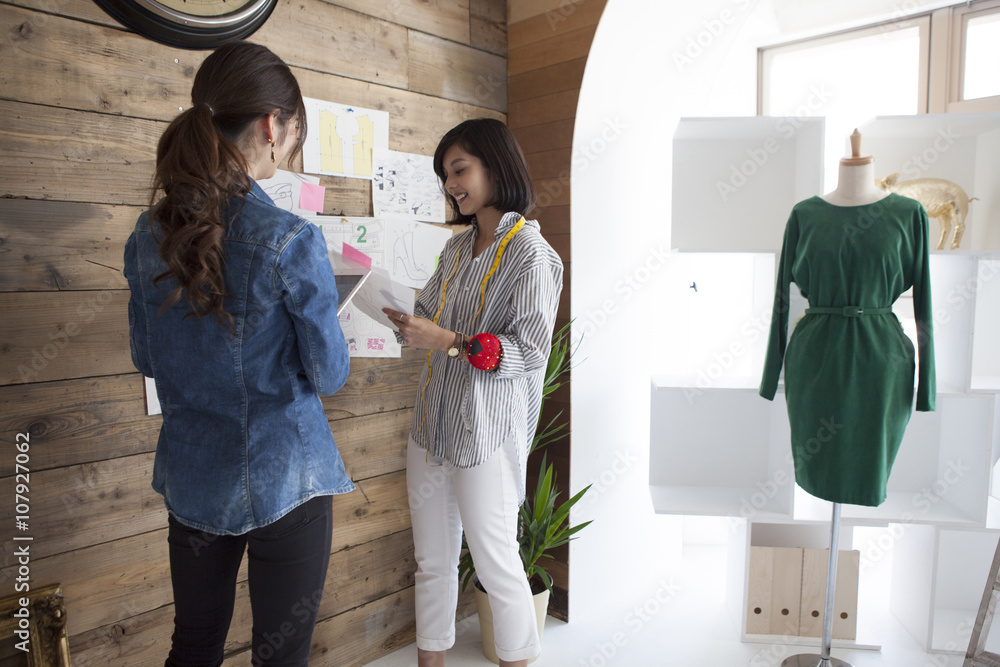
{"points": [[200, 167]]}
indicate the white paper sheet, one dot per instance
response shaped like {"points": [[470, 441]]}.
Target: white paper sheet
{"points": [[341, 138], [404, 185], [284, 190], [381, 291], [152, 398], [366, 337], [364, 234], [412, 250]]}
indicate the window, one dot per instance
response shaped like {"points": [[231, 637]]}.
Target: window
{"points": [[848, 77], [941, 61], [975, 57]]}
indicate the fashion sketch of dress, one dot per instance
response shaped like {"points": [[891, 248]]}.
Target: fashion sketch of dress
{"points": [[849, 368]]}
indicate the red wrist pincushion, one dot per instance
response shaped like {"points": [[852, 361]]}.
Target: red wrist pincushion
{"points": [[485, 351]]}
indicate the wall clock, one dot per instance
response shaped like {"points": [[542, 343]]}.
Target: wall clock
{"points": [[190, 24]]}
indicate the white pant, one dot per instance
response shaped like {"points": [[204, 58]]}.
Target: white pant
{"points": [[484, 498]]}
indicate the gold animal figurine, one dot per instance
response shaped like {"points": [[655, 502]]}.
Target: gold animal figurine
{"points": [[944, 200]]}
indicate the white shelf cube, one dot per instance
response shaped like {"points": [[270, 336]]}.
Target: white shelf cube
{"points": [[720, 315], [961, 148], [808, 535], [736, 179], [941, 474], [719, 452], [985, 350], [938, 578]]}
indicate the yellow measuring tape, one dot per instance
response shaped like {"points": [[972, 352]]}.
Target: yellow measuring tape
{"points": [[482, 300]]}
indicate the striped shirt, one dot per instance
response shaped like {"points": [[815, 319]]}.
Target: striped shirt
{"points": [[462, 414]]}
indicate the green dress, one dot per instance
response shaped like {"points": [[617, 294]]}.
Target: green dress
{"points": [[849, 368]]}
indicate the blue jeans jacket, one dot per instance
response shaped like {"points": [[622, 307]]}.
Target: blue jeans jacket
{"points": [[244, 437]]}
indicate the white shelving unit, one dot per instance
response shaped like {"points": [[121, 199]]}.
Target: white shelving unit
{"points": [[985, 360], [961, 148], [808, 535], [735, 172], [937, 583], [718, 449]]}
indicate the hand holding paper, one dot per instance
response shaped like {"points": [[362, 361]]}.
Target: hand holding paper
{"points": [[379, 292], [419, 332]]}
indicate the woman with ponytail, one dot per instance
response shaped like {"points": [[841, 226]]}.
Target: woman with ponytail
{"points": [[233, 312]]}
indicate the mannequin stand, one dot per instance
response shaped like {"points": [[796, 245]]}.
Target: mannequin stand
{"points": [[824, 660]]}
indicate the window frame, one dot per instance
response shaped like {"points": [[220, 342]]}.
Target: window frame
{"points": [[959, 20], [941, 56]]}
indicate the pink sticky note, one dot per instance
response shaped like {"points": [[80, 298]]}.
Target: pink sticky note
{"points": [[311, 197], [357, 256]]}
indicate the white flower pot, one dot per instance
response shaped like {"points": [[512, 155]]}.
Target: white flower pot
{"points": [[486, 621]]}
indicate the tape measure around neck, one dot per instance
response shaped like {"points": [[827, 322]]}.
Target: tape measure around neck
{"points": [[496, 262], [482, 300]]}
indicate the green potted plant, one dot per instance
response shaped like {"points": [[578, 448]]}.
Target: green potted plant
{"points": [[543, 522]]}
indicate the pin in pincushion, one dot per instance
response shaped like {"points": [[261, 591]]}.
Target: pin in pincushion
{"points": [[485, 351]]}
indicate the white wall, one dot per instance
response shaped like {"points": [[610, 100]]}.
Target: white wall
{"points": [[652, 62], [645, 70]]}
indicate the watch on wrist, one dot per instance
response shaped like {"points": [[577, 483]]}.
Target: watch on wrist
{"points": [[457, 346]]}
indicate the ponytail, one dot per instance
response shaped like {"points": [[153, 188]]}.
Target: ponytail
{"points": [[201, 169]]}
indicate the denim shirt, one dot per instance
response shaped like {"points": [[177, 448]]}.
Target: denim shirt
{"points": [[244, 437]]}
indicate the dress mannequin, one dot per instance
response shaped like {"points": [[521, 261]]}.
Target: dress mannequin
{"points": [[856, 179], [855, 187], [852, 255]]}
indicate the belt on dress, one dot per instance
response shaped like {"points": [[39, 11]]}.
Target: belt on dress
{"points": [[848, 311]]}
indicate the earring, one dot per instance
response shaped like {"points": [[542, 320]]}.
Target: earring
{"points": [[272, 151]]}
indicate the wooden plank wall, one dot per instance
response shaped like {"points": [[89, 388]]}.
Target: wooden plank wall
{"points": [[548, 42], [83, 103]]}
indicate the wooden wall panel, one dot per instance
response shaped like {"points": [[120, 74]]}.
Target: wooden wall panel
{"points": [[119, 73], [62, 245], [547, 23], [548, 45], [53, 153], [548, 164], [377, 385], [133, 639], [544, 109], [328, 38], [547, 80], [435, 65], [557, 222], [61, 335], [558, 48], [83, 10], [350, 639], [488, 29], [76, 506], [92, 503], [546, 136], [78, 421], [449, 19], [84, 102]]}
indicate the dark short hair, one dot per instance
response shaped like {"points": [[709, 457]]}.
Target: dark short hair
{"points": [[494, 144]]}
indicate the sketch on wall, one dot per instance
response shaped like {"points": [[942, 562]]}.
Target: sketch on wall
{"points": [[341, 138], [404, 185]]}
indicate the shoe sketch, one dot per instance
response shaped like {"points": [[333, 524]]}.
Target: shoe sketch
{"points": [[402, 251], [281, 195]]}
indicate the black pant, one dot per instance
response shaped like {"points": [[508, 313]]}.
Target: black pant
{"points": [[288, 560]]}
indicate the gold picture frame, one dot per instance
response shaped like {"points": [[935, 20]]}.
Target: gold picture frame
{"points": [[45, 625]]}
